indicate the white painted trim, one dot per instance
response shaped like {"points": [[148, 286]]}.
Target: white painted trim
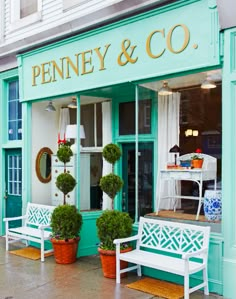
{"points": [[16, 22], [2, 21]]}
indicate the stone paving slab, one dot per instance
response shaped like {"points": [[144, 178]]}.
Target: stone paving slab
{"points": [[22, 278]]}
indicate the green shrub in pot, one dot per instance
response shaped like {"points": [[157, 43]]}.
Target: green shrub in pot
{"points": [[111, 225], [66, 222]]}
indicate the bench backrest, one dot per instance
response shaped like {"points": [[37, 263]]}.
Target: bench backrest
{"points": [[172, 237], [38, 214]]}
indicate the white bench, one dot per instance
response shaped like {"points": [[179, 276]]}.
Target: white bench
{"points": [[168, 246], [35, 226]]}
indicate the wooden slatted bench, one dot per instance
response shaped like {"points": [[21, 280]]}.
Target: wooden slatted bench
{"points": [[174, 247], [35, 226]]}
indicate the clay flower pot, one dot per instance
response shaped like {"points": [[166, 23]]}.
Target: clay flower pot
{"points": [[108, 261], [197, 163], [65, 251]]}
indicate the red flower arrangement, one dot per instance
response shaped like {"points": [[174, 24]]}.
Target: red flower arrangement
{"points": [[197, 156]]}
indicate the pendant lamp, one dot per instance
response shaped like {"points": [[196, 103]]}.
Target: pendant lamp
{"points": [[50, 107], [165, 90]]}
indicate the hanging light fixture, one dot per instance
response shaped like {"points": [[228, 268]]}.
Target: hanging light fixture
{"points": [[208, 84], [165, 90], [73, 104], [50, 107]]}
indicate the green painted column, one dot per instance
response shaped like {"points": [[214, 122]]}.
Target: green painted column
{"points": [[229, 165]]}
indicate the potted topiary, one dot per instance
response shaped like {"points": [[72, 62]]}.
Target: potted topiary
{"points": [[66, 221], [112, 224], [111, 183], [66, 224]]}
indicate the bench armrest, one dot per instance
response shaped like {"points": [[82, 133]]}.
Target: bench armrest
{"points": [[186, 256], [42, 227], [124, 240], [14, 218]]}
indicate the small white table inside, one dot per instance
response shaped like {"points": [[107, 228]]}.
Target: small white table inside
{"points": [[197, 175]]}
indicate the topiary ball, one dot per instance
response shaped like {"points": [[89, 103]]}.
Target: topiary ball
{"points": [[65, 182], [111, 153], [64, 153], [66, 222], [111, 184]]}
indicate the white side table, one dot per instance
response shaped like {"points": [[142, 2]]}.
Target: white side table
{"points": [[197, 175]]}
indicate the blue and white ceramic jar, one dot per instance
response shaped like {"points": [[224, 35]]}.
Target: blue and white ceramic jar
{"points": [[213, 205]]}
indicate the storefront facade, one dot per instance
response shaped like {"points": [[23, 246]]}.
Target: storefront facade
{"points": [[114, 73]]}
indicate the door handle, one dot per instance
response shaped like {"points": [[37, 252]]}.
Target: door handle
{"points": [[6, 194], [123, 202]]}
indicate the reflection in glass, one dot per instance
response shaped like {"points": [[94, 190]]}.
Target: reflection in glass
{"points": [[127, 118]]}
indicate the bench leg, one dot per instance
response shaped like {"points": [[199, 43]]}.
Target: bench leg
{"points": [[205, 278], [117, 269], [42, 250], [186, 286], [139, 272]]}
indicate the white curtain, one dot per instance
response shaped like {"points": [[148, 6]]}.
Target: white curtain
{"points": [[64, 120], [107, 138], [168, 136]]}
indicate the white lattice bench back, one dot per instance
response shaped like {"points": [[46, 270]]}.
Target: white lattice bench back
{"points": [[174, 247], [172, 237], [37, 214], [35, 227]]}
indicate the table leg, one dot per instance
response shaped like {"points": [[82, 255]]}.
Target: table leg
{"points": [[200, 199]]}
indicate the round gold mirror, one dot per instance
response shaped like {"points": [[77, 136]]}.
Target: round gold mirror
{"points": [[43, 165]]}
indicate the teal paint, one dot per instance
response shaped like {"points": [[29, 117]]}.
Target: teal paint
{"points": [[26, 153], [5, 77], [88, 237], [121, 53], [203, 25], [229, 164]]}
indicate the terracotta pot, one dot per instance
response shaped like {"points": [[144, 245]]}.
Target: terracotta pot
{"points": [[108, 261], [197, 163], [65, 252]]}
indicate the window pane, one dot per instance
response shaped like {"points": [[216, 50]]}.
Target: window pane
{"points": [[89, 116], [87, 120], [14, 112], [144, 119], [28, 7], [71, 3], [200, 114], [127, 118], [99, 124], [14, 175], [91, 172]]}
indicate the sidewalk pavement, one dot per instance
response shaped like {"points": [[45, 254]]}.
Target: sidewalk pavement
{"points": [[22, 278]]}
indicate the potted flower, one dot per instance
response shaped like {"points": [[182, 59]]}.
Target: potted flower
{"points": [[112, 224], [197, 159], [66, 221]]}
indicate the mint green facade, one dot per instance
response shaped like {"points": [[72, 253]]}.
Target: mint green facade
{"points": [[181, 38]]}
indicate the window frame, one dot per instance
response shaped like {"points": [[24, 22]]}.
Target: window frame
{"points": [[17, 120], [95, 148], [16, 22]]}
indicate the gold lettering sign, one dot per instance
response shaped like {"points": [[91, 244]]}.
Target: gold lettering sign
{"points": [[148, 43], [86, 62], [185, 42]]}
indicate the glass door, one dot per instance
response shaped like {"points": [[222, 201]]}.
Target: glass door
{"points": [[145, 178], [13, 185]]}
